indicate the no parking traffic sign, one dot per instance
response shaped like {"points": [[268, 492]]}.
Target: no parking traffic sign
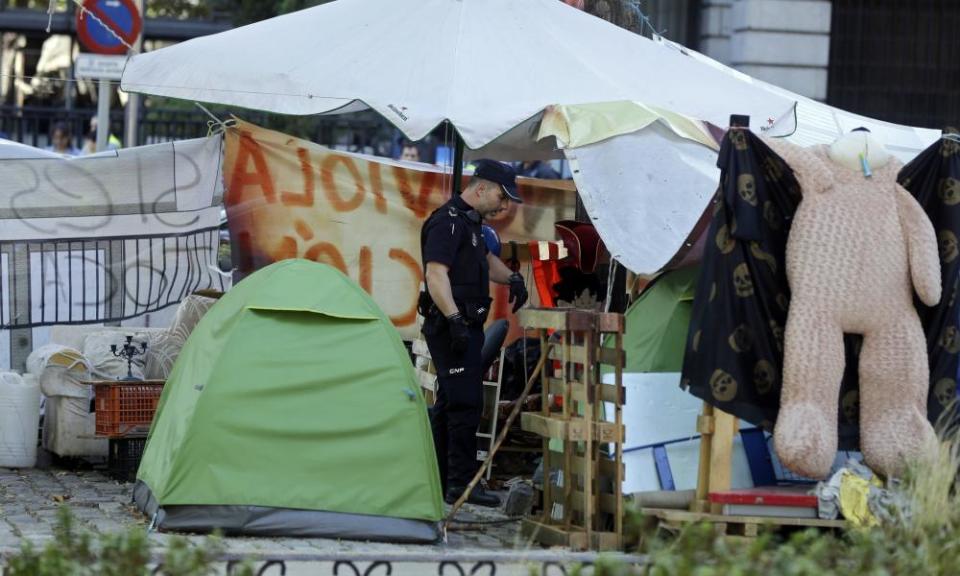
{"points": [[121, 16]]}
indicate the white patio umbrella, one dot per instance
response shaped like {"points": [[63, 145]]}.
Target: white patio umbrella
{"points": [[490, 67]]}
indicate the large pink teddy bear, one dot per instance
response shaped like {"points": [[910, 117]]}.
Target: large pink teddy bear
{"points": [[857, 249]]}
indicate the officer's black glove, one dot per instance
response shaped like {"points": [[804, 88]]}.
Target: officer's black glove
{"points": [[459, 333], [518, 291]]}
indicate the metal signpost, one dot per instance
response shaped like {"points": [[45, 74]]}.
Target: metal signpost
{"points": [[108, 27], [102, 68]]}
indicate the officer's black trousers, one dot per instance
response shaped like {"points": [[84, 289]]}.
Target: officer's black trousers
{"points": [[456, 413]]}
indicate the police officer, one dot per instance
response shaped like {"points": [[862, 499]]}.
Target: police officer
{"points": [[458, 269]]}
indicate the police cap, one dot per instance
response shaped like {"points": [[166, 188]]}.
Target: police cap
{"points": [[499, 173]]}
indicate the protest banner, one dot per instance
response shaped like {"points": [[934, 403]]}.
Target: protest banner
{"points": [[290, 198], [106, 238]]}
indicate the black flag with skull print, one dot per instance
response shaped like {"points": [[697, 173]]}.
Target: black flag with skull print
{"points": [[734, 353], [933, 177]]}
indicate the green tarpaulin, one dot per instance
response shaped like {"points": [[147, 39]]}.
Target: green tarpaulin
{"points": [[657, 323]]}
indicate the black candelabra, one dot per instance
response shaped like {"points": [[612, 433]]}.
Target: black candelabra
{"points": [[129, 351]]}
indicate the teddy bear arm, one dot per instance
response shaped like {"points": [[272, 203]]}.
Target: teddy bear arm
{"points": [[921, 248], [812, 174]]}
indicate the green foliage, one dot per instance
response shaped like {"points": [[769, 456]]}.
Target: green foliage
{"points": [[286, 6], [605, 567], [859, 552], [124, 553], [179, 9], [69, 553], [239, 11], [32, 4], [920, 537], [73, 552], [248, 11], [183, 559]]}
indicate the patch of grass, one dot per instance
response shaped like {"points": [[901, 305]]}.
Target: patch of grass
{"points": [[919, 537], [75, 552]]}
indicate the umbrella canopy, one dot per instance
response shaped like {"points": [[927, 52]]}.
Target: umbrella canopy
{"points": [[487, 66]]}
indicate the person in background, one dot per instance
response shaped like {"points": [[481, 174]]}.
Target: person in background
{"points": [[60, 141], [410, 152], [90, 139], [538, 169]]}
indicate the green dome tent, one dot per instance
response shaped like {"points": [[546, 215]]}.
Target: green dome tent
{"points": [[293, 410]]}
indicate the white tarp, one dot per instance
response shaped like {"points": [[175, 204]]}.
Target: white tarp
{"points": [[157, 189], [105, 238], [660, 413], [486, 65], [10, 150], [646, 189], [819, 123]]}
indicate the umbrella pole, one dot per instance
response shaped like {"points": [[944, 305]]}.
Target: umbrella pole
{"points": [[457, 163]]}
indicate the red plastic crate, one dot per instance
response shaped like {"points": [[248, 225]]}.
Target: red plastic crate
{"points": [[126, 408]]}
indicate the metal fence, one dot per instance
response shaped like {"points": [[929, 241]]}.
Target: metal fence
{"points": [[76, 281], [361, 132]]}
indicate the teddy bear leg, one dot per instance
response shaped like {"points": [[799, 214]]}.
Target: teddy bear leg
{"points": [[805, 435], [894, 380]]}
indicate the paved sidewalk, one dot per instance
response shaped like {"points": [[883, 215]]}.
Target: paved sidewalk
{"points": [[29, 499]]}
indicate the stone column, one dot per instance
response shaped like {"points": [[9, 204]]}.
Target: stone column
{"points": [[783, 42], [715, 29]]}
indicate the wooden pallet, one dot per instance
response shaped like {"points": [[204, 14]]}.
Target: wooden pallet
{"points": [[748, 526], [425, 370], [549, 534], [582, 443]]}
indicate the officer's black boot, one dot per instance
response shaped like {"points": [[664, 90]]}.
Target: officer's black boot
{"points": [[478, 496]]}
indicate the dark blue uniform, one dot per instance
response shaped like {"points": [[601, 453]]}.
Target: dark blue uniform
{"points": [[452, 236]]}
